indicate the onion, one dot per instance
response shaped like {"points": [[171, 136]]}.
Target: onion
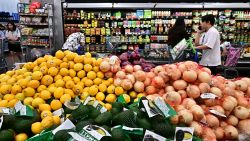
{"points": [[228, 91], [140, 75], [108, 74], [211, 102], [191, 65], [161, 92], [189, 76], [129, 69], [239, 94], [188, 103], [206, 70], [164, 75], [218, 82], [247, 81], [185, 116], [179, 108], [204, 87], [248, 91], [175, 74], [182, 67], [241, 112], [151, 97], [126, 84], [139, 86], [180, 84], [150, 90], [241, 85], [228, 103], [230, 84], [120, 74], [193, 91], [117, 82], [218, 108], [147, 82], [242, 101], [216, 91], [174, 119], [204, 77], [115, 68], [231, 132], [131, 78], [158, 69], [223, 124], [244, 126], [183, 94], [212, 121], [150, 75], [104, 66], [137, 68], [172, 98], [197, 112], [208, 134], [169, 89], [158, 82], [197, 128], [233, 99], [232, 120], [219, 133]]}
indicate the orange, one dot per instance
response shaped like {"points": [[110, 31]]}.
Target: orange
{"points": [[55, 104]]}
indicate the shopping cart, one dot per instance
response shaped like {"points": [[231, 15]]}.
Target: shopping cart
{"points": [[232, 56], [3, 63]]}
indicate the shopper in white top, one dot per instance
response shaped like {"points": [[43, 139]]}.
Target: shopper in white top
{"points": [[208, 40]]}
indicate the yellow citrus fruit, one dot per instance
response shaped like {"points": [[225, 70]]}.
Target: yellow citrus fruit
{"points": [[43, 64], [16, 89], [3, 103], [27, 77], [78, 66], [59, 54], [140, 95], [84, 95], [27, 74], [71, 64], [48, 57], [85, 89], [44, 70], [126, 98], [100, 96], [21, 137], [110, 98], [76, 80], [80, 84], [41, 88], [98, 61], [81, 74], [56, 120], [102, 88], [28, 101], [69, 84], [58, 92], [8, 97], [67, 78], [40, 60], [64, 72], [60, 83], [12, 103], [55, 104], [106, 82], [72, 73], [65, 59], [47, 122], [88, 83], [57, 77], [51, 63], [36, 127], [70, 92], [79, 59], [88, 55], [52, 89], [87, 67], [91, 75], [96, 69], [29, 92], [37, 101], [111, 89], [46, 113], [5, 89], [108, 106], [36, 95], [88, 60], [111, 80], [97, 81], [11, 81], [45, 94], [64, 65], [10, 73], [65, 97], [36, 68], [133, 94], [77, 89], [53, 71], [70, 56], [37, 75], [44, 107], [20, 96], [33, 84], [47, 80], [119, 90], [66, 52], [93, 90], [58, 62]]}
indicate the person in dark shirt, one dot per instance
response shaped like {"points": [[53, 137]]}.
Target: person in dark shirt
{"points": [[177, 32]]}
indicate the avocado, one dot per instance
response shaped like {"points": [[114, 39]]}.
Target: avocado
{"points": [[143, 123], [82, 110], [127, 118], [119, 135], [62, 135], [7, 135], [104, 118], [81, 124], [118, 105]]}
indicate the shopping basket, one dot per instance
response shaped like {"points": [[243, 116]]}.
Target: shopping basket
{"points": [[3, 63]]}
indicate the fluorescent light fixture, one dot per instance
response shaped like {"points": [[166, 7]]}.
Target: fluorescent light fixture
{"points": [[226, 5], [87, 5], [179, 5], [134, 5]]}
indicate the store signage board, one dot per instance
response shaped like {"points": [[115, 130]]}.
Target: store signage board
{"points": [[154, 1]]}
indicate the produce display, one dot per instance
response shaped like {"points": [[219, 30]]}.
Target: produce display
{"points": [[70, 96]]}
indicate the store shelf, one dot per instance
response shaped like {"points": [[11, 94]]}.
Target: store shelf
{"points": [[36, 35], [6, 21], [31, 14], [38, 45], [35, 24]]}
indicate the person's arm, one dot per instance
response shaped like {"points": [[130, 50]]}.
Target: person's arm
{"points": [[197, 39], [202, 47]]}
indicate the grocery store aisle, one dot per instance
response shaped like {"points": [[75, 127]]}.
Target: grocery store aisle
{"points": [[11, 59]]}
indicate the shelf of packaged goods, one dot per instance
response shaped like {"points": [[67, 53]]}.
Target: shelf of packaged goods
{"points": [[38, 45], [35, 24], [6, 21], [36, 35], [159, 41], [155, 61], [242, 19], [108, 19], [31, 14]]}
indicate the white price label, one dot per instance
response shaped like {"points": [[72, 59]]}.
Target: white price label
{"points": [[1, 122], [217, 113], [152, 136], [23, 111], [65, 125], [18, 106], [208, 96], [77, 137]]}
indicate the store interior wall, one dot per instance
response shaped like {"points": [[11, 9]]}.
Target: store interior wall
{"points": [[9, 6]]}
